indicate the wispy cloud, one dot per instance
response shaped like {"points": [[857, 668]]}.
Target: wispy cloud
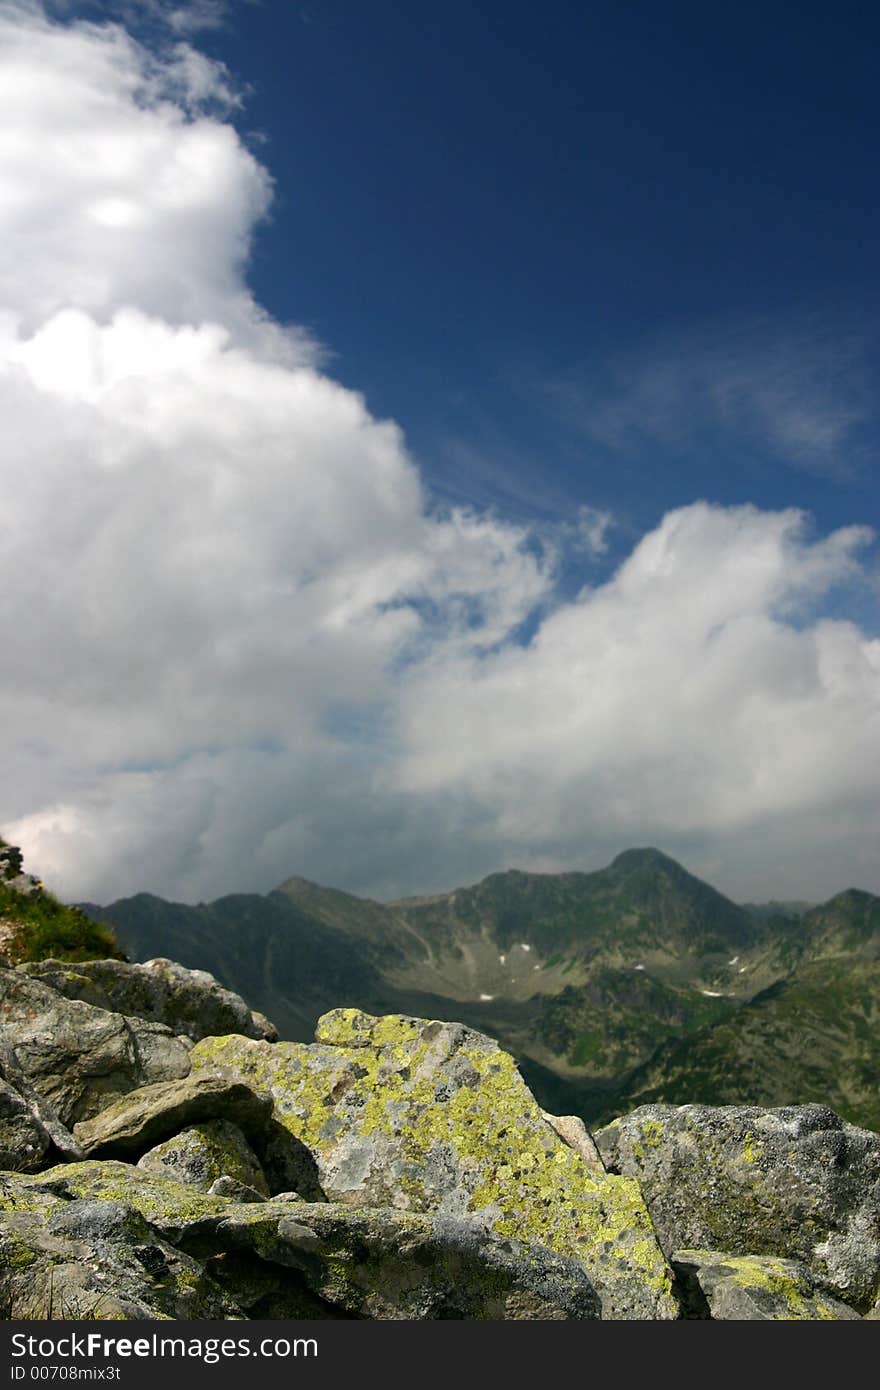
{"points": [[800, 393], [185, 18]]}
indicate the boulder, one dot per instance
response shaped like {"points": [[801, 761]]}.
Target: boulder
{"points": [[189, 1002], [139, 1120], [573, 1132], [385, 1264], [175, 1209], [144, 1118], [95, 1259], [754, 1288], [434, 1118], [82, 1058], [31, 1135], [277, 1259], [796, 1182], [205, 1153]]}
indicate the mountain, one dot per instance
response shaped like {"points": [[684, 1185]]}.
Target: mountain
{"points": [[635, 983], [812, 1034]]}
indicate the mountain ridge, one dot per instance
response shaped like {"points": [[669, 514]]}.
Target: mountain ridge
{"points": [[637, 979]]}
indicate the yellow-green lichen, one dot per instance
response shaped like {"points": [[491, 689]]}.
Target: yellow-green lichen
{"points": [[426, 1096], [652, 1133], [796, 1299], [160, 1200], [15, 1255]]}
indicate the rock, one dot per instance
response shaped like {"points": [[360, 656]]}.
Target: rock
{"points": [[78, 1057], [396, 1265], [205, 1153], [796, 1182], [176, 1209], [189, 1002], [146, 1117], [95, 1259], [275, 1259], [430, 1117], [236, 1191], [573, 1132], [754, 1288], [31, 1135], [139, 1120]]}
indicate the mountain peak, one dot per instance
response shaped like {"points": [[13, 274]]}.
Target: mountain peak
{"points": [[646, 858]]}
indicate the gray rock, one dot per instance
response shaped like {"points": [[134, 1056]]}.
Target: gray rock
{"points": [[434, 1118], [206, 1153], [139, 1120], [573, 1132], [282, 1259], [796, 1182], [226, 1186], [95, 1259], [31, 1135], [384, 1264], [189, 1002], [754, 1288], [24, 1143], [82, 1058]]}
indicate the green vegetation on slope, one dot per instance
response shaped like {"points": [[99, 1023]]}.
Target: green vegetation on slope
{"points": [[35, 925]]}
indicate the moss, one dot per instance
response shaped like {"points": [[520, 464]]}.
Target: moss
{"points": [[775, 1279]]}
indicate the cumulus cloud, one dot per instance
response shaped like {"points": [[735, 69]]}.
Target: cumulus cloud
{"points": [[681, 696], [116, 187], [239, 641]]}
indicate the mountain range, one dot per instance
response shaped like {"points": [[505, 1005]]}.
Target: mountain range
{"points": [[636, 983]]}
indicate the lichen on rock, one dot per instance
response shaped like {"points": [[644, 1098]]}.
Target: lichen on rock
{"points": [[202, 1154], [753, 1288], [189, 1002], [423, 1116], [796, 1182]]}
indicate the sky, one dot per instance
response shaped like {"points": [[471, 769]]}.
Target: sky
{"points": [[438, 439]]}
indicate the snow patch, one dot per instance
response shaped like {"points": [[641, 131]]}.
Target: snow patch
{"points": [[486, 998]]}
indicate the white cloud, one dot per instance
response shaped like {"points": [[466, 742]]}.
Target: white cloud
{"points": [[238, 642], [114, 188]]}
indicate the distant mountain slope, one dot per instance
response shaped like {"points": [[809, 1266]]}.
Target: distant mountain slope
{"points": [[637, 981], [814, 1035]]}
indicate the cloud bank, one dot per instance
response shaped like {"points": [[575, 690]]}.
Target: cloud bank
{"points": [[238, 639]]}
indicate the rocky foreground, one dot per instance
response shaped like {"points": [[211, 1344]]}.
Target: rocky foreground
{"points": [[165, 1156]]}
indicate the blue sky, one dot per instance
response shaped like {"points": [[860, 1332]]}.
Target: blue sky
{"points": [[498, 218], [441, 439]]}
